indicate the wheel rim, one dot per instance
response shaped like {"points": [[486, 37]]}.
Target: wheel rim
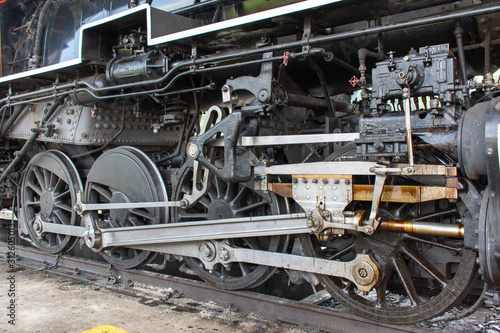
{"points": [[228, 201], [403, 293], [49, 190], [124, 175]]}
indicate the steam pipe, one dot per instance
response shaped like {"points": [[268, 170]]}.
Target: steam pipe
{"points": [[324, 86], [36, 59], [32, 138], [18, 109], [298, 44]]}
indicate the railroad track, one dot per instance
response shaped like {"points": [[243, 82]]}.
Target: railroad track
{"points": [[308, 317]]}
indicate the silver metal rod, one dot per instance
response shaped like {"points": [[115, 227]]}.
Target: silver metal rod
{"points": [[409, 141], [126, 205], [201, 230], [288, 139]]}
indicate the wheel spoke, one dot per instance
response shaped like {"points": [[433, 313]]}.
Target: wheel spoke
{"points": [[46, 177], [340, 254], [251, 207], [53, 180], [212, 194], [32, 203], [38, 190], [142, 213], [132, 221], [60, 238], [426, 265], [426, 241], [382, 292], [62, 216], [205, 202], [219, 187], [185, 190], [240, 196], [52, 239], [253, 243], [63, 206], [103, 191], [60, 196], [349, 288], [39, 177], [59, 186], [192, 216], [231, 191], [404, 275], [245, 268]]}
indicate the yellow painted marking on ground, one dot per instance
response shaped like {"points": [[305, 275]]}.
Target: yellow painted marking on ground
{"points": [[105, 329]]}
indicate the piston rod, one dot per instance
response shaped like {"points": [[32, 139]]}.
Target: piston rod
{"points": [[423, 228]]}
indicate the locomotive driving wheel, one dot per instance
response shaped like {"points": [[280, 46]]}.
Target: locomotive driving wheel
{"points": [[232, 200], [421, 277], [49, 189], [123, 175]]}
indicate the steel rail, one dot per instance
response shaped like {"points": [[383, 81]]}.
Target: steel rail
{"points": [[308, 317]]}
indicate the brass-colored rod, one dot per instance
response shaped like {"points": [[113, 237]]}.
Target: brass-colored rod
{"points": [[423, 228]]}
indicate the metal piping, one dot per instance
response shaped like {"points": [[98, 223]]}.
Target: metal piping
{"points": [[32, 138], [17, 111], [297, 44], [36, 59], [324, 86]]}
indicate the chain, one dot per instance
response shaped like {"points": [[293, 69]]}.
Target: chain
{"points": [[111, 279], [47, 265]]}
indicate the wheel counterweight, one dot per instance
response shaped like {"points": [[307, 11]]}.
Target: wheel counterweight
{"points": [[123, 175]]}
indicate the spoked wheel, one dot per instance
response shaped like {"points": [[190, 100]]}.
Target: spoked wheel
{"points": [[421, 277], [49, 191], [123, 175], [230, 201]]}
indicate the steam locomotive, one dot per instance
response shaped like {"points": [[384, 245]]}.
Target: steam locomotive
{"points": [[353, 144]]}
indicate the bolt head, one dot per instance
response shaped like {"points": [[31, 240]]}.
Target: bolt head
{"points": [[192, 150]]}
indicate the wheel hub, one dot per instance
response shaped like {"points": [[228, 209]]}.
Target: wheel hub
{"points": [[220, 209], [46, 203], [119, 215]]}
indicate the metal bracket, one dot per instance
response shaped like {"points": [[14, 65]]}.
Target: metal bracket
{"points": [[378, 189], [201, 182], [260, 86], [236, 168]]}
